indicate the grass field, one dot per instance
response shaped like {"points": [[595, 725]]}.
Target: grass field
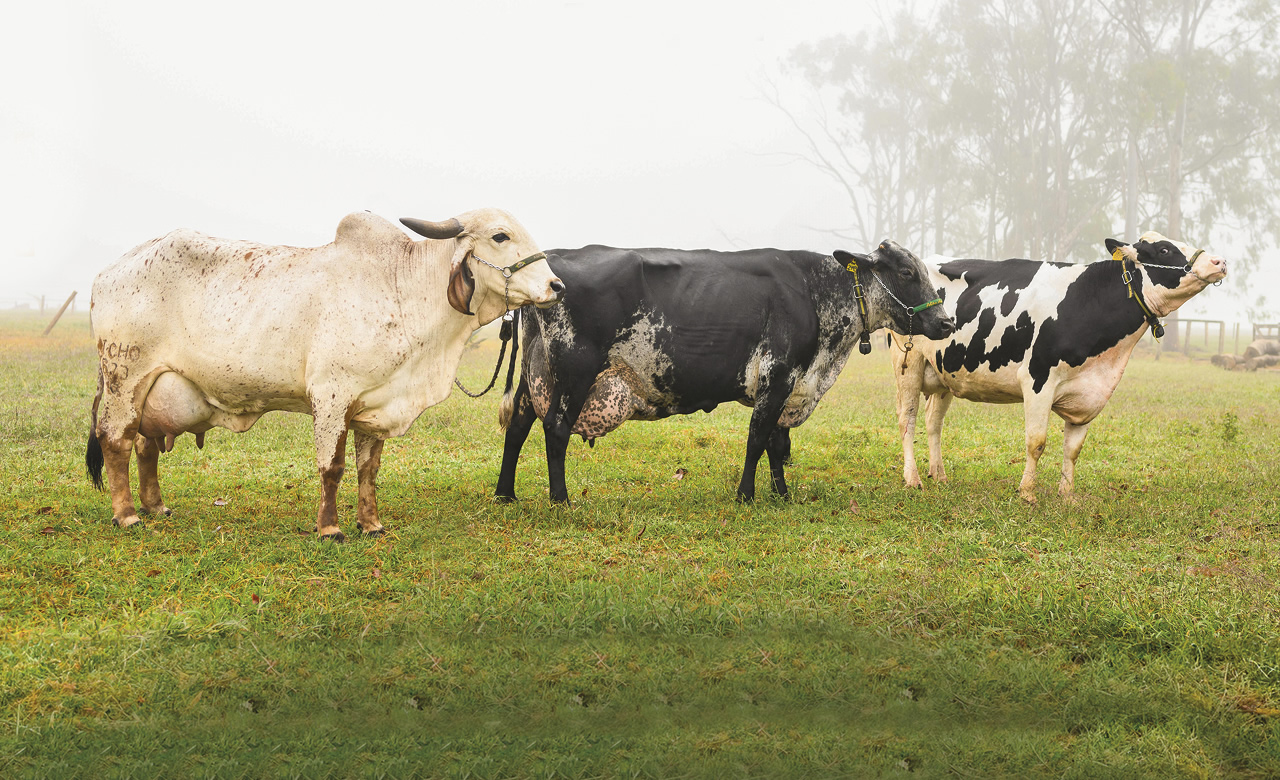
{"points": [[656, 628]]}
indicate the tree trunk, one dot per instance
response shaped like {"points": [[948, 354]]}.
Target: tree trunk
{"points": [[1173, 228]]}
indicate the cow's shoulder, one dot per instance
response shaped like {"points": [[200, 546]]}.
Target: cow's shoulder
{"points": [[365, 229]]}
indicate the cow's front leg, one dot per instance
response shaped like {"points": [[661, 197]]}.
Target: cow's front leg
{"points": [[368, 461], [557, 428], [1073, 442], [331, 461], [148, 451], [936, 410], [521, 422], [908, 375], [1036, 416]]}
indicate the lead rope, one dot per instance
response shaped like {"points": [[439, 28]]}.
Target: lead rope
{"points": [[504, 334]]}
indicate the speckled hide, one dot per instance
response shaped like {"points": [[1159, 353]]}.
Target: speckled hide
{"points": [[363, 334], [648, 333], [1052, 336]]}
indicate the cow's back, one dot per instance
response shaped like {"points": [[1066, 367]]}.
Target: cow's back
{"points": [[663, 331], [240, 318]]}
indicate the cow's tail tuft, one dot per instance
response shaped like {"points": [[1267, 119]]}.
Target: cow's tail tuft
{"points": [[507, 407], [93, 460]]}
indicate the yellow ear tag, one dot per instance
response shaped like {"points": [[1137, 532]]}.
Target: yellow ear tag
{"points": [[1118, 255]]}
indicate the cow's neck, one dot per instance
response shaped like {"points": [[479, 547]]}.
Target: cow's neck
{"points": [[1163, 301], [436, 331]]}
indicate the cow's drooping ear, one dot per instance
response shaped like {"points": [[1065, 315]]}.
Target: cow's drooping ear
{"points": [[1126, 251], [462, 285]]}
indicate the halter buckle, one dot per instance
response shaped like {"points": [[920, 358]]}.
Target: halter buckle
{"points": [[1126, 276]]}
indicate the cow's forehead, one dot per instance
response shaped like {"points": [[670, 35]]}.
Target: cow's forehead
{"points": [[1152, 237], [490, 220]]}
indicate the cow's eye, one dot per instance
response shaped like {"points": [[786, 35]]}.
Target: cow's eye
{"points": [[906, 274], [498, 238], [1164, 250]]}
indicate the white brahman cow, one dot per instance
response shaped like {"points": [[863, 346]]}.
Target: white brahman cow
{"points": [[363, 334]]}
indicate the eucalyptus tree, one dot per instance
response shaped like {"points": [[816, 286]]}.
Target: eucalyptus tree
{"points": [[1009, 128]]}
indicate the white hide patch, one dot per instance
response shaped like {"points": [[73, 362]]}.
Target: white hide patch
{"points": [[1039, 300], [637, 347]]}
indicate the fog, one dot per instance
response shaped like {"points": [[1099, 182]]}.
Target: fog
{"points": [[245, 120]]}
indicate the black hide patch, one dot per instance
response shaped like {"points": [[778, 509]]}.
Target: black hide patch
{"points": [[1095, 315]]}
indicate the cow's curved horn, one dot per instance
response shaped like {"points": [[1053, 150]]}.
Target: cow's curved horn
{"points": [[447, 229]]}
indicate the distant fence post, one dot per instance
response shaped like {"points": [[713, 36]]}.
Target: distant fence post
{"points": [[57, 316]]}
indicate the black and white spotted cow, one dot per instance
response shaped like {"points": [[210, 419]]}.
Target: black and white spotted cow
{"points": [[654, 332], [1053, 336]]}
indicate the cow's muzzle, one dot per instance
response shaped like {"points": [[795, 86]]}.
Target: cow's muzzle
{"points": [[557, 295]]}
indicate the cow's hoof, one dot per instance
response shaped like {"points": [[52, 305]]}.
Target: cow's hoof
{"points": [[337, 538], [745, 499], [1029, 498], [132, 521], [501, 499], [375, 533], [166, 511]]}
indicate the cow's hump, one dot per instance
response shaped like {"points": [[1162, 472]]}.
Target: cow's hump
{"points": [[364, 228]]}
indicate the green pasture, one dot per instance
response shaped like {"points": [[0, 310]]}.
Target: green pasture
{"points": [[656, 628]]}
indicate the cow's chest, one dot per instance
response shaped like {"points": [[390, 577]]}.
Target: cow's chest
{"points": [[1081, 393]]}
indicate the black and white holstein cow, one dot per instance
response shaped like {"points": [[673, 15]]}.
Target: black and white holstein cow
{"points": [[363, 334], [1053, 336], [648, 333]]}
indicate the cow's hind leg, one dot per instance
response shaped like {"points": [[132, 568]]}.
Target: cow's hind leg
{"points": [[779, 452], [116, 453], [1073, 442], [148, 452], [368, 461], [518, 427], [771, 396], [936, 410], [331, 460]]}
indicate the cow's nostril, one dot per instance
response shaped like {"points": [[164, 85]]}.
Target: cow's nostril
{"points": [[557, 286]]}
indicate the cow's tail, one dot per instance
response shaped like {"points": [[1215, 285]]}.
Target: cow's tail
{"points": [[508, 405], [93, 452]]}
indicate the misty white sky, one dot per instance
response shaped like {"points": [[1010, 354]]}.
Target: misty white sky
{"points": [[634, 124]]}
